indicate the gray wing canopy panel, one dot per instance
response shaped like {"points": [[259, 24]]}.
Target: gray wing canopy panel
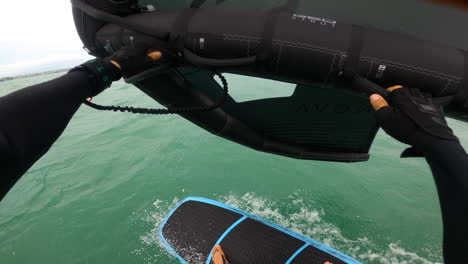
{"points": [[323, 119]]}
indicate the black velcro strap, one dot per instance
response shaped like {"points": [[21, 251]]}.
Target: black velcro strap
{"points": [[465, 77], [199, 3], [219, 1], [266, 46], [101, 74], [462, 95], [354, 51], [180, 28]]}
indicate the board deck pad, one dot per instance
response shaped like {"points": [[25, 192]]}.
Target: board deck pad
{"points": [[196, 225]]}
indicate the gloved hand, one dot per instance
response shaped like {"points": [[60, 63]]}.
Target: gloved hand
{"points": [[133, 60], [413, 118], [126, 62]]}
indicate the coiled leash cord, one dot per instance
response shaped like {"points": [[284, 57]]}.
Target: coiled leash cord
{"points": [[182, 110]]}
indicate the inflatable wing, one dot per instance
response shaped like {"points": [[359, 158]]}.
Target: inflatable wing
{"points": [[335, 66]]}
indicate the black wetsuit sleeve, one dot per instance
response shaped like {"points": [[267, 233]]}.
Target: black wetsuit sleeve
{"points": [[449, 164], [32, 119]]}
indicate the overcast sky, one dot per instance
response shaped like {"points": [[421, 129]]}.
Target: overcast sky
{"points": [[37, 33]]}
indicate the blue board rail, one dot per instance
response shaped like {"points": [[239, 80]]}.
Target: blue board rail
{"points": [[245, 215]]}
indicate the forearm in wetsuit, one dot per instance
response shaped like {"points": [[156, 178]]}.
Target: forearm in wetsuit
{"points": [[413, 118], [32, 119], [449, 164]]}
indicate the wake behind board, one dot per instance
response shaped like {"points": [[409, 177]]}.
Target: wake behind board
{"points": [[196, 225]]}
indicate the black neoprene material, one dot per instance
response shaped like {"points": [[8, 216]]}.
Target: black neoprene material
{"points": [[33, 118], [101, 73], [355, 50], [266, 45], [449, 164], [415, 119], [180, 27]]}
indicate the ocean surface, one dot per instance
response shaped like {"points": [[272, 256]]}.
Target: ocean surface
{"points": [[104, 188]]}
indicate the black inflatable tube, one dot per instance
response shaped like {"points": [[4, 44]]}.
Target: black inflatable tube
{"points": [[301, 52], [190, 56], [445, 71], [109, 18]]}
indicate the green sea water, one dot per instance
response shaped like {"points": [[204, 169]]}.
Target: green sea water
{"points": [[102, 191]]}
